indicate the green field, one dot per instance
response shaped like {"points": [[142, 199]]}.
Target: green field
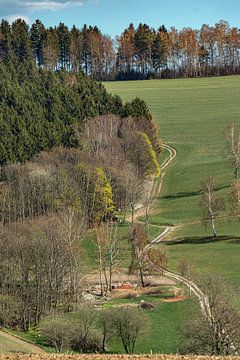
{"points": [[163, 333], [193, 115]]}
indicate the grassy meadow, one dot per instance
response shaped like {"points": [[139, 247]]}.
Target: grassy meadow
{"points": [[193, 115]]}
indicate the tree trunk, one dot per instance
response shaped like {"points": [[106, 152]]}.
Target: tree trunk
{"points": [[213, 226], [132, 208], [141, 276], [236, 172]]}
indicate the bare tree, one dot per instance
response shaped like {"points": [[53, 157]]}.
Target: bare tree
{"points": [[157, 259], [101, 243], [218, 334], [150, 195], [233, 147], [211, 205], [105, 321], [133, 188], [108, 250], [113, 250], [184, 268], [234, 198], [83, 328], [129, 324], [140, 260], [56, 332]]}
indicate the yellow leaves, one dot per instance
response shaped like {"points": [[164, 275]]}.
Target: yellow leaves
{"points": [[149, 154]]}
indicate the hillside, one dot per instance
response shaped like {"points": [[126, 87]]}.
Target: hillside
{"points": [[193, 115], [13, 344]]}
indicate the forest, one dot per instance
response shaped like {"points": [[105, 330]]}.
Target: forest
{"points": [[137, 53], [40, 109], [63, 139]]}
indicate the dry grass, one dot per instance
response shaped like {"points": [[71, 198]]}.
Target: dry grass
{"points": [[109, 357]]}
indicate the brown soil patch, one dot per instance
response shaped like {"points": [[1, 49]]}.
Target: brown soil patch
{"points": [[176, 298], [109, 357], [122, 277]]}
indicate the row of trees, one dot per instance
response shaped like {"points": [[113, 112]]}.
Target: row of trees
{"points": [[88, 179], [89, 330], [141, 52]]}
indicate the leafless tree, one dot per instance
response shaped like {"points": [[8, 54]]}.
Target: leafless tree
{"points": [[105, 321], [139, 261], [56, 331], [233, 147], [211, 205], [184, 268], [129, 324], [108, 249], [157, 259], [38, 267], [133, 187], [234, 198], [219, 334]]}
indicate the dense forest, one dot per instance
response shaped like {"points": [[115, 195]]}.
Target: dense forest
{"points": [[138, 53], [40, 109]]}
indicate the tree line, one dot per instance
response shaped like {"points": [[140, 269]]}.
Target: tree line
{"points": [[137, 53], [40, 109]]}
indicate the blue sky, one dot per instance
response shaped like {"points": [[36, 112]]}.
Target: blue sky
{"points": [[112, 16]]}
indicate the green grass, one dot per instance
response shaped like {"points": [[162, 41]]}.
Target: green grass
{"points": [[163, 330], [193, 115], [165, 323], [206, 254]]}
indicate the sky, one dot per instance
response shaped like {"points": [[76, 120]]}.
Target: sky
{"points": [[113, 16]]}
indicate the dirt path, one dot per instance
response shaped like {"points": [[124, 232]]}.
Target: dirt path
{"points": [[10, 343]]}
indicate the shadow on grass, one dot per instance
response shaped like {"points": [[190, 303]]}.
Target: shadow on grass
{"points": [[185, 194], [204, 240], [181, 195]]}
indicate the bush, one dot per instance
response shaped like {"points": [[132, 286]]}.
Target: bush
{"points": [[146, 306], [56, 331], [129, 324]]}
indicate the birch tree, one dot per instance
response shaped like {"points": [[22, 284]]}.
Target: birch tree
{"points": [[211, 205], [233, 147]]}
